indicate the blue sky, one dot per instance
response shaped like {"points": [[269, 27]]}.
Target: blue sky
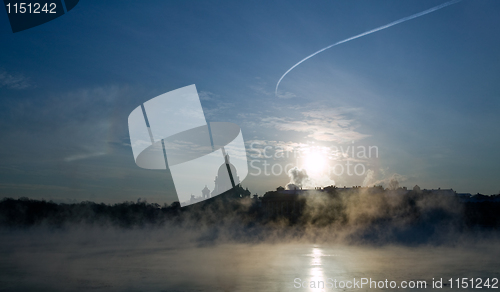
{"points": [[424, 92]]}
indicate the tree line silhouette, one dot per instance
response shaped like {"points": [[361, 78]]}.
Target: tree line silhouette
{"points": [[318, 209]]}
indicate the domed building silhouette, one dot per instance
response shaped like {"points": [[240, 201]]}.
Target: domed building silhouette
{"points": [[223, 179], [223, 184]]}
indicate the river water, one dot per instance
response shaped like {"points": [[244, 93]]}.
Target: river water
{"points": [[150, 261]]}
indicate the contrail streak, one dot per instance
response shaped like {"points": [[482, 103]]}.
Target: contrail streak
{"points": [[367, 33]]}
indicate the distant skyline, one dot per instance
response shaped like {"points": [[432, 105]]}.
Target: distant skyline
{"points": [[425, 93]]}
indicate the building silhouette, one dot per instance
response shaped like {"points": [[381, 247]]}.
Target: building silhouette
{"points": [[205, 193], [223, 180], [222, 184]]}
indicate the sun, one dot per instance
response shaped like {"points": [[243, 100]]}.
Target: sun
{"points": [[314, 162]]}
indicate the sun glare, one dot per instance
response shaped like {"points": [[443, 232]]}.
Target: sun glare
{"points": [[314, 162]]}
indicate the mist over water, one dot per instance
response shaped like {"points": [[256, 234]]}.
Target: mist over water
{"points": [[232, 245], [154, 260]]}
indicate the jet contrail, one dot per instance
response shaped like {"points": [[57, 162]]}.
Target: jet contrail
{"points": [[369, 32]]}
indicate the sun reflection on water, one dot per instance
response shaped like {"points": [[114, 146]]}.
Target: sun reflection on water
{"points": [[323, 269], [316, 270]]}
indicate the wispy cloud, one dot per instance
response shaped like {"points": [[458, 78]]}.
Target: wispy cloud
{"points": [[207, 95], [286, 95], [67, 127], [214, 105], [261, 89], [13, 81], [330, 125], [83, 156]]}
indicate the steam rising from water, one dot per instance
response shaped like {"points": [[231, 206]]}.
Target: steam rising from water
{"points": [[298, 179], [230, 246]]}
